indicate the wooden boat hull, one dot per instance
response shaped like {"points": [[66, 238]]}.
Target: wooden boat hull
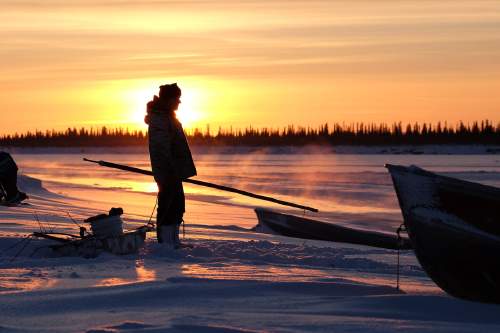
{"points": [[454, 228], [300, 227]]}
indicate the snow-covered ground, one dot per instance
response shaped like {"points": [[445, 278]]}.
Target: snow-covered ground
{"points": [[232, 279]]}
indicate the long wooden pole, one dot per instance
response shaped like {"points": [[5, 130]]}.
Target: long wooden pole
{"points": [[206, 184]]}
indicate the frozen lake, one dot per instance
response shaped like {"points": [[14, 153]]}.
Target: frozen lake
{"points": [[232, 279], [347, 189]]}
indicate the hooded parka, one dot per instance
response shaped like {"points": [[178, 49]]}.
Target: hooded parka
{"points": [[168, 147]]}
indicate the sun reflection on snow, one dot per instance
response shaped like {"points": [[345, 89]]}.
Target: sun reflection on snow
{"points": [[297, 274], [23, 279], [251, 272], [415, 287], [143, 273], [109, 282], [140, 274]]}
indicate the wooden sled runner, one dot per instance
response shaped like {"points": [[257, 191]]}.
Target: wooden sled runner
{"points": [[107, 235], [129, 242]]}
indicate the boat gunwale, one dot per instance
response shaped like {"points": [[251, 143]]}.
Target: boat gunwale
{"points": [[443, 180]]}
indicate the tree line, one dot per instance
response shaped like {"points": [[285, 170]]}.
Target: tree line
{"points": [[483, 132]]}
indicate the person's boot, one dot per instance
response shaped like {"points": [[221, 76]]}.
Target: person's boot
{"points": [[158, 233], [168, 235], [177, 240]]}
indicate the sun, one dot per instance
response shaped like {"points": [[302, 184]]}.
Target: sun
{"points": [[134, 97], [188, 112], [135, 100]]}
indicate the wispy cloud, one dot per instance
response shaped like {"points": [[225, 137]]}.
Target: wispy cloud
{"points": [[53, 44]]}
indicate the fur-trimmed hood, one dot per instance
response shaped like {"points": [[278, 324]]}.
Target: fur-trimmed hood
{"points": [[158, 107]]}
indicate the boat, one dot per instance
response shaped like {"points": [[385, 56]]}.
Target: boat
{"points": [[300, 227], [454, 228]]}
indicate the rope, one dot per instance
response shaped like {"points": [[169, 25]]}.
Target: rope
{"points": [[3, 193], [38, 249], [183, 229], [50, 226], [397, 274], [38, 220], [151, 217], [73, 220], [400, 229], [14, 245], [28, 240]]}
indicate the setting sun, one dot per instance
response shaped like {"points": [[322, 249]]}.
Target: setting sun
{"points": [[125, 102], [189, 109]]}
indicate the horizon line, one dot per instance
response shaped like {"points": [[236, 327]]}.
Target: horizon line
{"points": [[208, 127]]}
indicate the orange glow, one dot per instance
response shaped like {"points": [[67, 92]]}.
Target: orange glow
{"points": [[113, 282], [251, 272], [133, 95], [189, 110], [21, 279], [142, 274], [247, 63]]}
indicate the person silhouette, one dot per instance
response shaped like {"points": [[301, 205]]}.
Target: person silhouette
{"points": [[9, 193], [171, 162]]}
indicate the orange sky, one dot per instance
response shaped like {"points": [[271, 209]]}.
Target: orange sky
{"points": [[260, 63]]}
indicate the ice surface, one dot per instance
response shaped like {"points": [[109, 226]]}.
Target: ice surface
{"points": [[232, 279]]}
